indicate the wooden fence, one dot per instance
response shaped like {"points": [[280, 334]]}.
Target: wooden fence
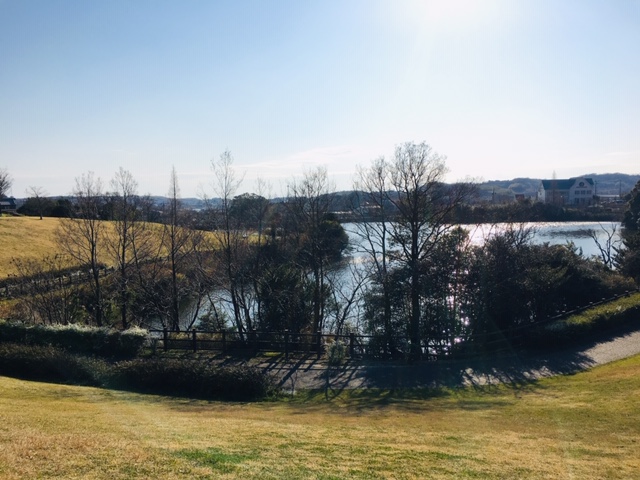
{"points": [[356, 345], [226, 341]]}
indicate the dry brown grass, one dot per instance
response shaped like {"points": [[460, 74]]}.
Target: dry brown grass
{"points": [[585, 426], [26, 238], [29, 238]]}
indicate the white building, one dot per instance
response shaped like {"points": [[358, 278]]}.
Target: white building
{"points": [[579, 191]]}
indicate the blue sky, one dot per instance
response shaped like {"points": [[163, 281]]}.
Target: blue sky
{"points": [[504, 89]]}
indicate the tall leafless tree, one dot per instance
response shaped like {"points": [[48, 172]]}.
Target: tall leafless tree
{"points": [[129, 227], [232, 240], [81, 236], [5, 182], [176, 239], [372, 209], [39, 196], [308, 203], [424, 205]]}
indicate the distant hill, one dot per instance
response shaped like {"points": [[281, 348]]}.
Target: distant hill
{"points": [[614, 183], [499, 191], [606, 184], [188, 203]]}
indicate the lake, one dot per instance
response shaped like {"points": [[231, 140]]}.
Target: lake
{"points": [[559, 233], [554, 233]]}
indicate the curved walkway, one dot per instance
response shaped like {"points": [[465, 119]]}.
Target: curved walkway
{"points": [[517, 368]]}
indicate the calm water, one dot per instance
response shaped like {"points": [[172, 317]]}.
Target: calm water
{"points": [[559, 233], [552, 232]]}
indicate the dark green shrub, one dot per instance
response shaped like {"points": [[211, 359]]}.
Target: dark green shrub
{"points": [[50, 364], [12, 332], [192, 378], [187, 378], [77, 338]]}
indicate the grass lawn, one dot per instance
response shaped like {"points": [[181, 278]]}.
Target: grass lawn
{"points": [[29, 238], [26, 238], [585, 426]]}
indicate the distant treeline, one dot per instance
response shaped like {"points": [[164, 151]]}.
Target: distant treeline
{"points": [[533, 212]]}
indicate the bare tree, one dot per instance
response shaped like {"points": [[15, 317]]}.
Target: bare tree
{"points": [[81, 236], [232, 241], [309, 202], [49, 295], [608, 247], [372, 208], [39, 196], [5, 182], [176, 240], [346, 283], [128, 227]]}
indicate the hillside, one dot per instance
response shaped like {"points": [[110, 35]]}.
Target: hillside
{"points": [[26, 238], [606, 184]]}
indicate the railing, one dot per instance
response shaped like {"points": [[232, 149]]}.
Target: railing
{"points": [[252, 341], [16, 287], [357, 345]]}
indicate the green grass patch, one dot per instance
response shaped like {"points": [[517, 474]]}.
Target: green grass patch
{"points": [[597, 318], [580, 426], [215, 459]]}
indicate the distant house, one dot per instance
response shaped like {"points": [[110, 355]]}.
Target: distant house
{"points": [[8, 205], [580, 191]]}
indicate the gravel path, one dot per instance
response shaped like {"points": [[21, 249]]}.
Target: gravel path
{"points": [[309, 373]]}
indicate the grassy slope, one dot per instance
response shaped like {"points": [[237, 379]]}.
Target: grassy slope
{"points": [[584, 426], [26, 238], [31, 238]]}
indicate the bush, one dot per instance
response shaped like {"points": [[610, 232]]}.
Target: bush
{"points": [[50, 364], [336, 353], [187, 378], [77, 338], [193, 379], [598, 318]]}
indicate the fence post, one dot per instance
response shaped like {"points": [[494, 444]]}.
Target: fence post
{"points": [[286, 344], [319, 344], [352, 344], [194, 340], [254, 337], [224, 341], [165, 339]]}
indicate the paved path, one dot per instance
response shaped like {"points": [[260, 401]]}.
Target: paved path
{"points": [[308, 373]]}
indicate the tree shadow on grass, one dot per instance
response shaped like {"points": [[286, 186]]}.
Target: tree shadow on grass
{"points": [[366, 386], [517, 368]]}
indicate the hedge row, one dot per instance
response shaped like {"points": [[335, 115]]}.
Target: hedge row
{"points": [[50, 364], [178, 377], [80, 339], [195, 379], [596, 319]]}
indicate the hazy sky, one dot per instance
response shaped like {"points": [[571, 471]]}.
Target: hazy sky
{"points": [[502, 88]]}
